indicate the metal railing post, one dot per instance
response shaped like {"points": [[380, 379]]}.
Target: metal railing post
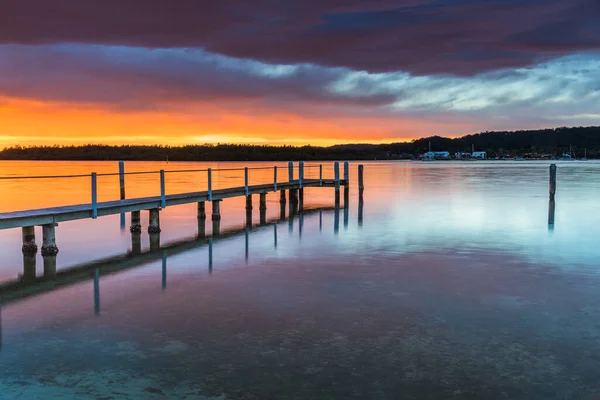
{"points": [[301, 172], [163, 198], [246, 181], [209, 184]]}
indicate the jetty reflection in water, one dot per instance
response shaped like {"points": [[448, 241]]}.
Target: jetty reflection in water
{"points": [[29, 284]]}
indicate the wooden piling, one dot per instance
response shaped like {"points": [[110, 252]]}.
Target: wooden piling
{"points": [[154, 221], [154, 241], [49, 267], [552, 180], [248, 203], [282, 197], [263, 208], [216, 210], [49, 247], [29, 267], [551, 211], [346, 173], [336, 174], [29, 245], [301, 199], [216, 227], [201, 210], [361, 184], [201, 228], [163, 198], [136, 243], [136, 222]]}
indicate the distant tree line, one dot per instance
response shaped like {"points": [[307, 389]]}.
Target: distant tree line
{"points": [[544, 141]]}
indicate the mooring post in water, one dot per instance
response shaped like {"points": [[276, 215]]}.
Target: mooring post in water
{"points": [[97, 291], [49, 247], [361, 183], [163, 198], [136, 222], [336, 220], [209, 184], [201, 210], [552, 180], [94, 196], [360, 211], [49, 267], [29, 245], [154, 221], [551, 210]]}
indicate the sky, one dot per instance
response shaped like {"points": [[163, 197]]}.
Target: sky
{"points": [[293, 72]]}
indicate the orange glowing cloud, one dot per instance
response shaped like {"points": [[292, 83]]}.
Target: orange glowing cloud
{"points": [[28, 122]]}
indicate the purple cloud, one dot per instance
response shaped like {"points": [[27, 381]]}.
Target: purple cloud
{"points": [[418, 36]]}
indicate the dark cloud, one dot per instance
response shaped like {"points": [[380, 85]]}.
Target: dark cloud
{"points": [[419, 36]]}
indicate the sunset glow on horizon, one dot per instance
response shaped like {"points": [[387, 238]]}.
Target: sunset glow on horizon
{"points": [[321, 74]]}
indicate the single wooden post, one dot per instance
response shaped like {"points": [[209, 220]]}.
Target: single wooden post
{"points": [[216, 227], [122, 179], [360, 210], [209, 184], [246, 182], [300, 173], [552, 180], [301, 199], [551, 211], [136, 222], [154, 241], [154, 223], [163, 199], [346, 174], [164, 270], [94, 196], [336, 220], [290, 171], [275, 178], [321, 175], [361, 185], [282, 209], [97, 291], [49, 247], [201, 210], [201, 228], [28, 235]]}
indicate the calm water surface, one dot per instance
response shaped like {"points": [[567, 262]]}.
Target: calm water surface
{"points": [[452, 285]]}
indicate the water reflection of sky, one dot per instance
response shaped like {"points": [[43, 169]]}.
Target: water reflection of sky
{"points": [[453, 286]]}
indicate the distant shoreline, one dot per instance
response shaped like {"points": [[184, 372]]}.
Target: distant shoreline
{"points": [[552, 143]]}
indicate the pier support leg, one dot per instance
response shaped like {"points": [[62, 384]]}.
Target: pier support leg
{"points": [[216, 210], [136, 243], [282, 211], [201, 228], [301, 199], [263, 208], [29, 247], [282, 197], [50, 267], [201, 210], [154, 223], [29, 267], [346, 196], [136, 222], [49, 247], [337, 198], [361, 183], [249, 203], [216, 217], [154, 241]]}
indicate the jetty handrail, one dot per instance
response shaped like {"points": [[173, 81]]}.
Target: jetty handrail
{"points": [[172, 171]]}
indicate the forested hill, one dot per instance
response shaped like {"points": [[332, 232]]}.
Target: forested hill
{"points": [[548, 141]]}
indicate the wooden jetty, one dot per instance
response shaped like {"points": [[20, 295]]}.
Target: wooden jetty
{"points": [[49, 218]]}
